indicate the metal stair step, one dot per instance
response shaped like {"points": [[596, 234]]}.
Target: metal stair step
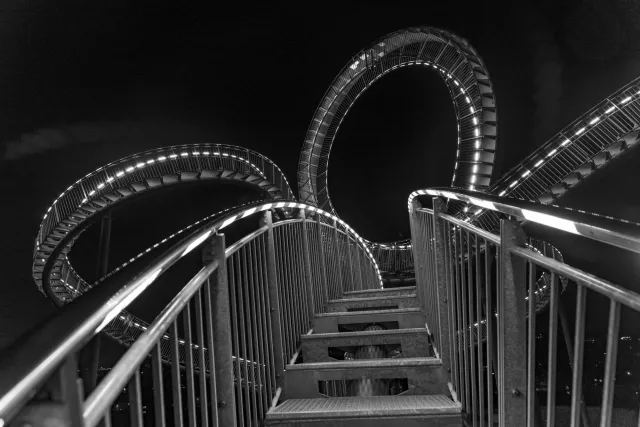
{"points": [[414, 342], [405, 317], [408, 290], [374, 411], [424, 374], [339, 305]]}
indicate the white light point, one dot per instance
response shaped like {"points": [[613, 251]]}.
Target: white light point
{"points": [[119, 174], [552, 152], [594, 121], [579, 131], [538, 163], [610, 109], [624, 101], [565, 142], [525, 173]]}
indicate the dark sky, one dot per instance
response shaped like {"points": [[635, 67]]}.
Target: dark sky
{"points": [[89, 82]]}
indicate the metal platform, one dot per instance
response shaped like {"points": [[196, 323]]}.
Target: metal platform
{"points": [[433, 410], [340, 305], [406, 318], [414, 342], [391, 292]]}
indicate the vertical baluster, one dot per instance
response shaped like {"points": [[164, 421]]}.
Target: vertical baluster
{"points": [[531, 349], [235, 315], [610, 363], [188, 346], [283, 290], [307, 266], [442, 283], [462, 371], [274, 303], [489, 327], [202, 371], [265, 384], [472, 350], [135, 400], [339, 291], [158, 386], [351, 285], [323, 267], [462, 292], [256, 357], [175, 375], [243, 368], [553, 353], [450, 294], [293, 307], [222, 337], [578, 359], [512, 368], [478, 300], [213, 396]]}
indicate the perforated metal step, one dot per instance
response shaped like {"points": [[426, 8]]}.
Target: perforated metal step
{"points": [[353, 304], [367, 409], [406, 318], [414, 342], [408, 290]]}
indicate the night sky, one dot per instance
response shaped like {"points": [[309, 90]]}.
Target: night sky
{"points": [[85, 83]]}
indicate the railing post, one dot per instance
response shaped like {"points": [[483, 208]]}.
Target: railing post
{"points": [[359, 279], [307, 266], [222, 336], [416, 246], [512, 328], [274, 302], [323, 268], [443, 331], [336, 246]]}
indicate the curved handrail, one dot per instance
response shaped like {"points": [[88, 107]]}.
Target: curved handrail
{"points": [[615, 232], [130, 175], [25, 367]]}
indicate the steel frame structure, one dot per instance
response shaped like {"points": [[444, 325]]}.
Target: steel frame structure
{"points": [[73, 210], [462, 71]]}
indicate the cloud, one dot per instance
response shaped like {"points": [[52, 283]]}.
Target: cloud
{"points": [[138, 134]]}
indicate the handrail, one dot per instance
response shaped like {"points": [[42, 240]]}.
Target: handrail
{"points": [[45, 348], [615, 232]]}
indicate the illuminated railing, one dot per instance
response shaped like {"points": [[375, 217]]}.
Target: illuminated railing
{"points": [[128, 176], [464, 272], [250, 302]]}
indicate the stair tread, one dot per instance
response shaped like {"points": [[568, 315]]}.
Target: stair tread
{"points": [[368, 363], [358, 334], [365, 407], [370, 312], [381, 298], [382, 290]]}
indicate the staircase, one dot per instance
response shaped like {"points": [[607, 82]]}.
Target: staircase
{"points": [[367, 363]]}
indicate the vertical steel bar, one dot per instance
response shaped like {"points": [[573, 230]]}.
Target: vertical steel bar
{"points": [[243, 369], [577, 401], [439, 207], [249, 363], [531, 349], [512, 341], [71, 391], [453, 341], [175, 375], [188, 348], [478, 291], [610, 363], [265, 383], [135, 400], [274, 300], [336, 248], [266, 304], [323, 268], [462, 292], [222, 337], [202, 372], [351, 285], [158, 386], [462, 372], [474, 383], [307, 266], [257, 360], [489, 327], [235, 338], [553, 353]]}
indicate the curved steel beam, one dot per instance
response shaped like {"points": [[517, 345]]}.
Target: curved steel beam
{"points": [[465, 76], [76, 208]]}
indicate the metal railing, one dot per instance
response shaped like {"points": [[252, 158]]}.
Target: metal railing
{"points": [[250, 303], [468, 277]]}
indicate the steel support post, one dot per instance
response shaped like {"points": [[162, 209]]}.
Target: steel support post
{"points": [[307, 266], [336, 245], [90, 355], [323, 265], [568, 340], [222, 336], [443, 330], [512, 328], [274, 302], [418, 254]]}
